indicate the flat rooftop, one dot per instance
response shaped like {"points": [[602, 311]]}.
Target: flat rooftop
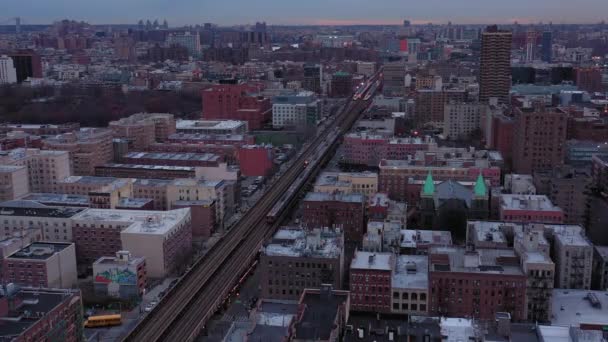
{"points": [[112, 260], [372, 261], [90, 180], [39, 250], [128, 202], [574, 307], [527, 202], [212, 137], [323, 197], [489, 261], [412, 238], [210, 157], [152, 182], [411, 272], [58, 199], [33, 300], [209, 124], [375, 328], [321, 309], [11, 168], [31, 208], [318, 243], [138, 221], [146, 167]]}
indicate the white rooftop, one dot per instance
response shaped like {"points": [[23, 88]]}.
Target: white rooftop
{"points": [[457, 329], [411, 272], [318, 243], [209, 124], [140, 221], [412, 238], [372, 261], [527, 202], [573, 307]]}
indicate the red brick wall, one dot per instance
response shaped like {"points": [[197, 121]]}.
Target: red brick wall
{"points": [[370, 290]]}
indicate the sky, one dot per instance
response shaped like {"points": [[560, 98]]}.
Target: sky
{"points": [[302, 12]]}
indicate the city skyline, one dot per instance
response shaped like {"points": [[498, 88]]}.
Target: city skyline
{"points": [[313, 12]]}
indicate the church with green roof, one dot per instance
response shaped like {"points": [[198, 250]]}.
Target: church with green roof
{"points": [[447, 205]]}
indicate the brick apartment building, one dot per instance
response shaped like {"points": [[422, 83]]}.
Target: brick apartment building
{"points": [[42, 264], [88, 147], [529, 208], [296, 259], [232, 102], [476, 283], [539, 139], [346, 211], [58, 315], [370, 149], [370, 281], [143, 129], [256, 160]]}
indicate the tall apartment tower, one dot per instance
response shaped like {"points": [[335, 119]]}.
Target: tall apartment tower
{"points": [[530, 45], [547, 46], [540, 136], [495, 64]]}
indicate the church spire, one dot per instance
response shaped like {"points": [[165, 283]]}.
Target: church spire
{"points": [[480, 186], [429, 185]]}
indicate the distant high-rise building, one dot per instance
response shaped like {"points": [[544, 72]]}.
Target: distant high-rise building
{"points": [[495, 64], [312, 78], [27, 64], [547, 47], [530, 45], [191, 41], [8, 73], [406, 23], [540, 136]]}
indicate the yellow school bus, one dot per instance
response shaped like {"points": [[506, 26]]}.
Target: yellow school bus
{"points": [[103, 321]]}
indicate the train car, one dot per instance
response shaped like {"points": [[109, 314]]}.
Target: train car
{"points": [[103, 321]]}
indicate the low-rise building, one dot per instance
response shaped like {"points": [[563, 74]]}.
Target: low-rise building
{"points": [[122, 276], [371, 281], [172, 159], [336, 210], [296, 259], [370, 149], [256, 160], [476, 283], [146, 171], [45, 223], [211, 126], [347, 182], [164, 238], [42, 264], [102, 192], [519, 184], [299, 110], [409, 285], [41, 314], [583, 309], [529, 208], [322, 315]]}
